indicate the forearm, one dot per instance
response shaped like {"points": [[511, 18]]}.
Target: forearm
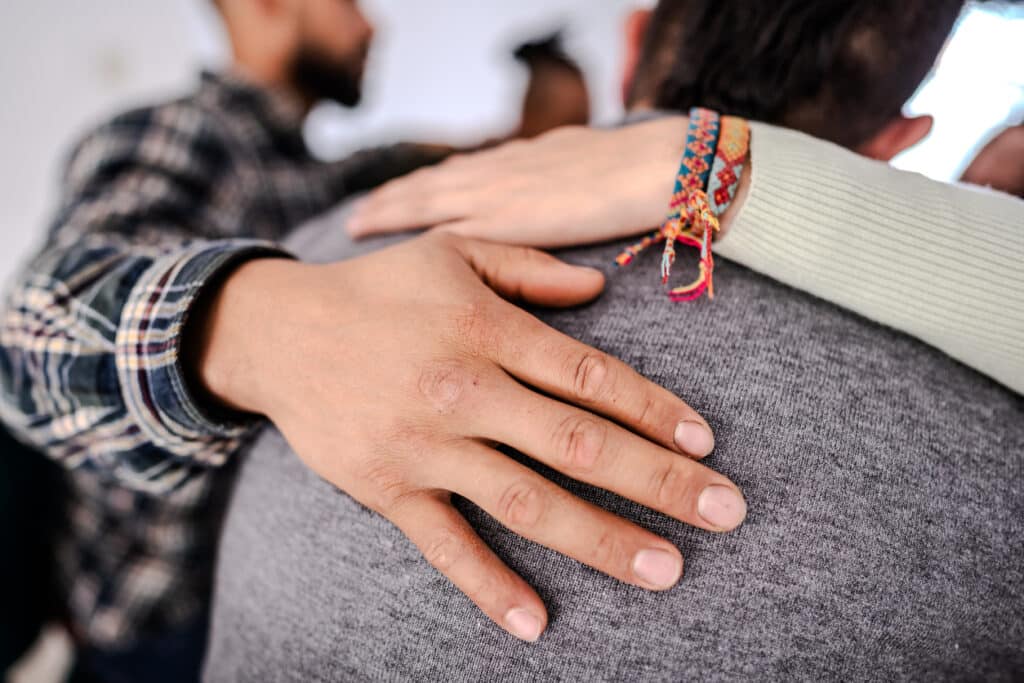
{"points": [[940, 262]]}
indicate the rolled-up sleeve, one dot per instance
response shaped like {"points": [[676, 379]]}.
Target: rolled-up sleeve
{"points": [[90, 344]]}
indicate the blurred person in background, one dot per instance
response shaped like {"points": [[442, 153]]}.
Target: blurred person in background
{"points": [[1000, 163], [556, 94]]}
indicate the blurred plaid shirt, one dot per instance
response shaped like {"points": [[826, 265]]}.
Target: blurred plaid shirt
{"points": [[156, 203]]}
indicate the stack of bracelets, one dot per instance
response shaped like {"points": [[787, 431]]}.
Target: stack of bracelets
{"points": [[709, 175]]}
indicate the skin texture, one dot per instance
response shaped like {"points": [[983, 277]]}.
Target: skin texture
{"points": [[421, 382]]}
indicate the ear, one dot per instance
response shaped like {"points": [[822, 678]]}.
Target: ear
{"points": [[900, 134], [636, 29]]}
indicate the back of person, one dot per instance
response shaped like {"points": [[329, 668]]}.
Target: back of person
{"points": [[885, 484]]}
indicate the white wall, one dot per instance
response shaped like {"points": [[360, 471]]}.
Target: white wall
{"points": [[440, 70], [976, 88], [62, 65]]}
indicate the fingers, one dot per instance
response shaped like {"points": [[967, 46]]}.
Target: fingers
{"points": [[591, 449], [424, 198], [568, 369], [462, 186], [404, 207], [522, 274], [449, 543], [535, 508]]}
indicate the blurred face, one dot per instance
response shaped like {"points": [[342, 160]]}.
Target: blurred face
{"points": [[332, 44]]}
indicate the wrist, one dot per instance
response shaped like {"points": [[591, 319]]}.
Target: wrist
{"points": [[662, 142], [229, 333]]}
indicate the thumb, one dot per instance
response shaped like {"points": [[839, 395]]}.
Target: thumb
{"points": [[523, 274]]}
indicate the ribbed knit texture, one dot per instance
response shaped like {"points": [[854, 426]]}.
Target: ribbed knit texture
{"points": [[944, 263]]}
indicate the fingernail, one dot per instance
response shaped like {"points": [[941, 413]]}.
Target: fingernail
{"points": [[658, 568], [523, 624], [722, 507], [694, 438]]}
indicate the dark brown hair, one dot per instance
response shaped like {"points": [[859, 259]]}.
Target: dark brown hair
{"points": [[837, 69]]}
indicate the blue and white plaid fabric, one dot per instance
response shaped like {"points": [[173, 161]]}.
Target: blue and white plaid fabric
{"points": [[155, 203]]}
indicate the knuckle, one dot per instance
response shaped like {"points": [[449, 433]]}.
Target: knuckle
{"points": [[670, 485], [444, 384], [608, 550], [444, 549], [469, 319], [521, 506], [487, 588], [581, 441], [591, 376], [473, 325], [647, 418], [387, 485]]}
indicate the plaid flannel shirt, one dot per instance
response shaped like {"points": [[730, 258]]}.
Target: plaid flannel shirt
{"points": [[155, 204]]}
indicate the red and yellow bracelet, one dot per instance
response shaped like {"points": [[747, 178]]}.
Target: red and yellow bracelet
{"points": [[708, 178]]}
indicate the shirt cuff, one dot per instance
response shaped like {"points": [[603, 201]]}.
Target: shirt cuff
{"points": [[148, 349]]}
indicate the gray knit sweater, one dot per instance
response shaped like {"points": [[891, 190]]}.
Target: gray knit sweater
{"points": [[885, 484]]}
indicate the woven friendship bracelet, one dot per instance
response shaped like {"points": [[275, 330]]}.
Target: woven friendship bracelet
{"points": [[706, 185], [733, 145], [694, 170], [694, 175], [688, 206]]}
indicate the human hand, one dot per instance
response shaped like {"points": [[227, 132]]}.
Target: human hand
{"points": [[393, 375], [567, 187]]}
